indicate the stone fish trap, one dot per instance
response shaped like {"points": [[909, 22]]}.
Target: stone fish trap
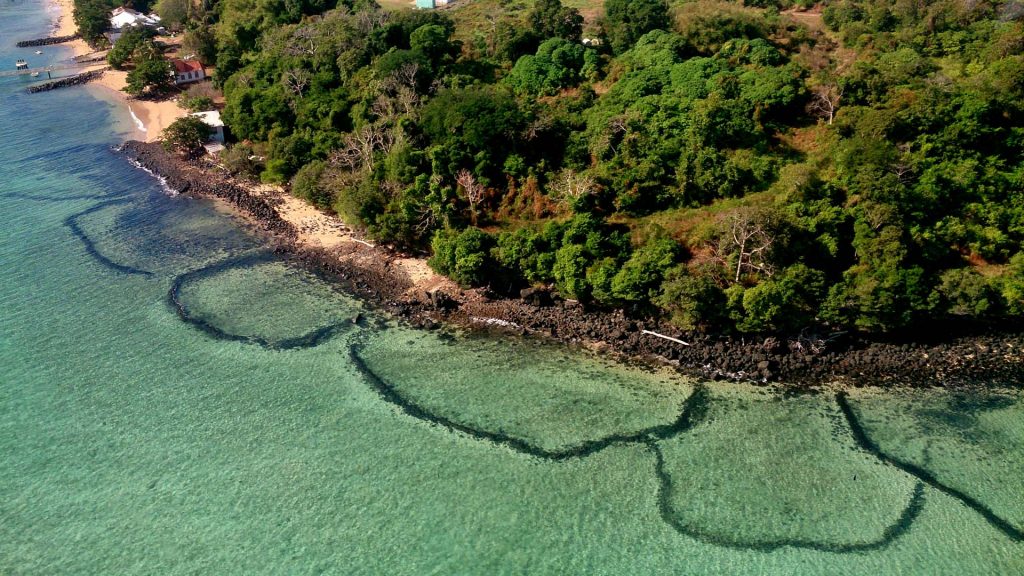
{"points": [[693, 411]]}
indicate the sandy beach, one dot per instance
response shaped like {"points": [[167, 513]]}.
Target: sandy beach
{"points": [[315, 228], [154, 116], [318, 230]]}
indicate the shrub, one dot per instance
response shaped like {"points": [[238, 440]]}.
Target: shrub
{"points": [[308, 184], [463, 256], [641, 276], [199, 97], [692, 298], [570, 272], [242, 160]]}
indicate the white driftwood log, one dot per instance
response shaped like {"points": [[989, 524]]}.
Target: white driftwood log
{"points": [[676, 340]]}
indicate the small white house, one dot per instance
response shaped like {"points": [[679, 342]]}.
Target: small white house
{"points": [[212, 119], [122, 17], [187, 71]]}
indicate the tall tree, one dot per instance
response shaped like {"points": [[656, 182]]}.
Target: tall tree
{"points": [[551, 19], [627, 20]]}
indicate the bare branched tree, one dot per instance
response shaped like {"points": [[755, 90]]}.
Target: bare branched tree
{"points": [[390, 188], [383, 107], [397, 93], [825, 100], [426, 221], [303, 42], [407, 100], [570, 185], [369, 20], [296, 80], [243, 78], [748, 240], [903, 167], [472, 190], [492, 24], [541, 124], [904, 172], [617, 129], [406, 74], [361, 146]]}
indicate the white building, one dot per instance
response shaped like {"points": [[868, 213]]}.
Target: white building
{"points": [[122, 17], [212, 119]]}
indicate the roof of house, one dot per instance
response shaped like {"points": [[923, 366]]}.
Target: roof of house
{"points": [[211, 118], [121, 17], [185, 66]]}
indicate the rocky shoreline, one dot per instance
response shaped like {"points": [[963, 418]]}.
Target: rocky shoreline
{"points": [[48, 41], [981, 356], [76, 80]]}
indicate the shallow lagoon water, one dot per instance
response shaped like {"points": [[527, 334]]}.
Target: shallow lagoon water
{"points": [[134, 440]]}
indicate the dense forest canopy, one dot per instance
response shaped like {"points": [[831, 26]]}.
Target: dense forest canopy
{"points": [[757, 167]]}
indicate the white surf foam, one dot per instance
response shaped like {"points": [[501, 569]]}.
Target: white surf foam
{"points": [[138, 123]]}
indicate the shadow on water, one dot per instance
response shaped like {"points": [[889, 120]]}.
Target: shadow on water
{"points": [[136, 219]]}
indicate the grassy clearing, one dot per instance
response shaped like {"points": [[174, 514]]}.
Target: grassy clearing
{"points": [[472, 16], [691, 225], [397, 4]]}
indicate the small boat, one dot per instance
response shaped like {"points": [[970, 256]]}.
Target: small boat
{"points": [[34, 74], [39, 51], [21, 65]]}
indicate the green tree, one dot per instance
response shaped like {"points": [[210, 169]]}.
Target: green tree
{"points": [[640, 278], [186, 135], [92, 18], [784, 302], [1012, 285], [570, 271], [201, 43], [557, 65], [475, 127], [551, 19], [132, 39], [432, 42], [463, 256], [693, 299], [525, 252], [152, 74], [626, 21], [173, 13]]}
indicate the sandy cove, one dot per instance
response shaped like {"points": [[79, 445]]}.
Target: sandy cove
{"points": [[318, 231], [155, 116]]}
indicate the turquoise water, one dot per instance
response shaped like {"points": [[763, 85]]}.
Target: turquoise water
{"points": [[173, 400]]}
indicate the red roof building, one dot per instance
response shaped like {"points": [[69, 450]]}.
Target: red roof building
{"points": [[186, 71]]}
